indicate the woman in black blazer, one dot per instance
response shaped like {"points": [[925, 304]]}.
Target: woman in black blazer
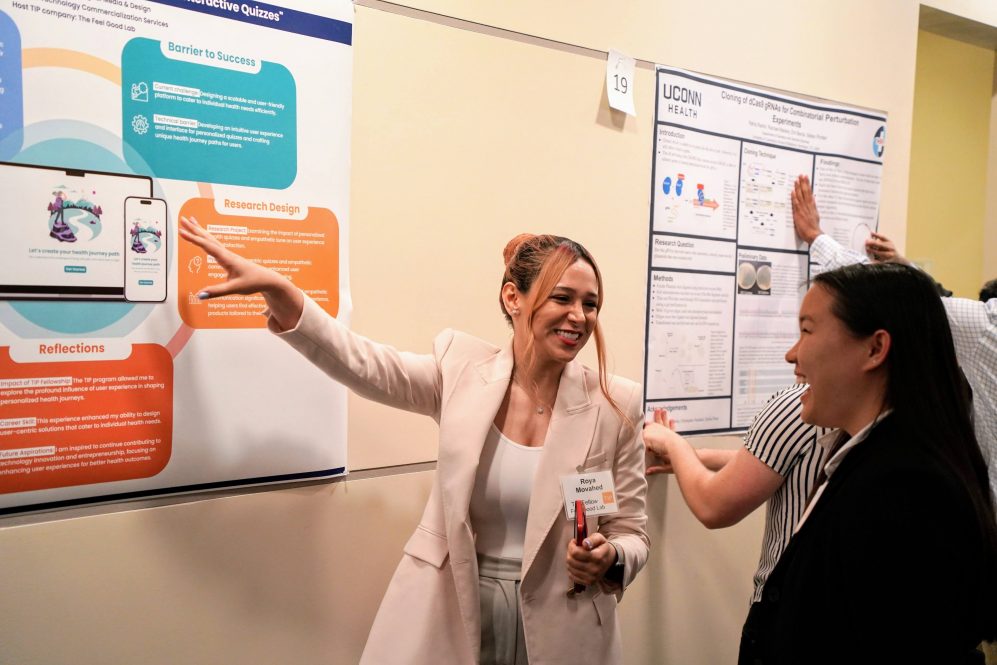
{"points": [[895, 560]]}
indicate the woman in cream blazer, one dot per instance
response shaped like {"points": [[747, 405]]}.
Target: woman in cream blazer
{"points": [[430, 612]]}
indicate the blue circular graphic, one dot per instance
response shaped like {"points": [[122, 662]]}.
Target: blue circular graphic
{"points": [[879, 142]]}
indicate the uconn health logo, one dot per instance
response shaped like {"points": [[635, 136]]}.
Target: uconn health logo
{"points": [[680, 100], [879, 142]]}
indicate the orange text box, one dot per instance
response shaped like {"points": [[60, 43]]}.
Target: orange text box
{"points": [[305, 251], [76, 423]]}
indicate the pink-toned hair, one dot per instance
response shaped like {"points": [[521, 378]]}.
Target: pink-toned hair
{"points": [[535, 263]]}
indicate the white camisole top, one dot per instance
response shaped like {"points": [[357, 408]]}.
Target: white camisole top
{"points": [[500, 501]]}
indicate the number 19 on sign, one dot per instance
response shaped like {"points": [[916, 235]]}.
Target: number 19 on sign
{"points": [[619, 82]]}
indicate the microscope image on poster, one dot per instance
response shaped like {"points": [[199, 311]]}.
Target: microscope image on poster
{"points": [[754, 278]]}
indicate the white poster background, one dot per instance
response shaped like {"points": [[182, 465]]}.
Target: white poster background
{"points": [[246, 407], [726, 272]]}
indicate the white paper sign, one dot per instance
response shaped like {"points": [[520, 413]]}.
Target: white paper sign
{"points": [[596, 489], [620, 82]]}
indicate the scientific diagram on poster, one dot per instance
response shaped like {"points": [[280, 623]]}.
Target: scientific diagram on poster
{"points": [[726, 271], [116, 120]]}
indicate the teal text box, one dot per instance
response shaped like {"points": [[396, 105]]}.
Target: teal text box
{"points": [[197, 121]]}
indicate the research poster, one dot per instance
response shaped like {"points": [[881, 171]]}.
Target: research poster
{"points": [[118, 117], [726, 271]]}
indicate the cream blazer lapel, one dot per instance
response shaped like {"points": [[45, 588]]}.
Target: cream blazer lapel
{"points": [[569, 437], [464, 421], [465, 417]]}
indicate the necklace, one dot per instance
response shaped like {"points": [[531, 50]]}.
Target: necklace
{"points": [[540, 405]]}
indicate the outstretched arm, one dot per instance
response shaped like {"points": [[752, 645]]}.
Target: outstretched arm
{"points": [[244, 277], [717, 498], [713, 459], [375, 371], [824, 249]]}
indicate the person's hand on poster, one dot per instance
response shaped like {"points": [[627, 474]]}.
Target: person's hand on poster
{"points": [[588, 564], [244, 277], [658, 433], [882, 250], [806, 220]]}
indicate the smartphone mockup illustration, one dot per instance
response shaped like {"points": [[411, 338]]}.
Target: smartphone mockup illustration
{"points": [[145, 249]]}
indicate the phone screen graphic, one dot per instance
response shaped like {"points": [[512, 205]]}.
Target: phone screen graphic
{"points": [[145, 249]]}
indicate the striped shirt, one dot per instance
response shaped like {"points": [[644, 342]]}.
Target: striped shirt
{"points": [[787, 445], [974, 331]]}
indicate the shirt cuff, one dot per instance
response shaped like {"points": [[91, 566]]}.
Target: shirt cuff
{"points": [[616, 573]]}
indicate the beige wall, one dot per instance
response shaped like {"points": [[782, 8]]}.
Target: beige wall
{"points": [[983, 12], [990, 210], [971, 23], [950, 150], [288, 576], [461, 139]]}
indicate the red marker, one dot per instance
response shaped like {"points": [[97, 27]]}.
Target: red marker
{"points": [[581, 533]]}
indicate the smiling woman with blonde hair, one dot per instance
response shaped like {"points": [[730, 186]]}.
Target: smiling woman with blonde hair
{"points": [[484, 577]]}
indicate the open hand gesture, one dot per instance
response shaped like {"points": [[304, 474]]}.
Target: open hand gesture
{"points": [[245, 277], [806, 220]]}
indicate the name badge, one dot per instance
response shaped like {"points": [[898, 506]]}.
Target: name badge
{"points": [[596, 489]]}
